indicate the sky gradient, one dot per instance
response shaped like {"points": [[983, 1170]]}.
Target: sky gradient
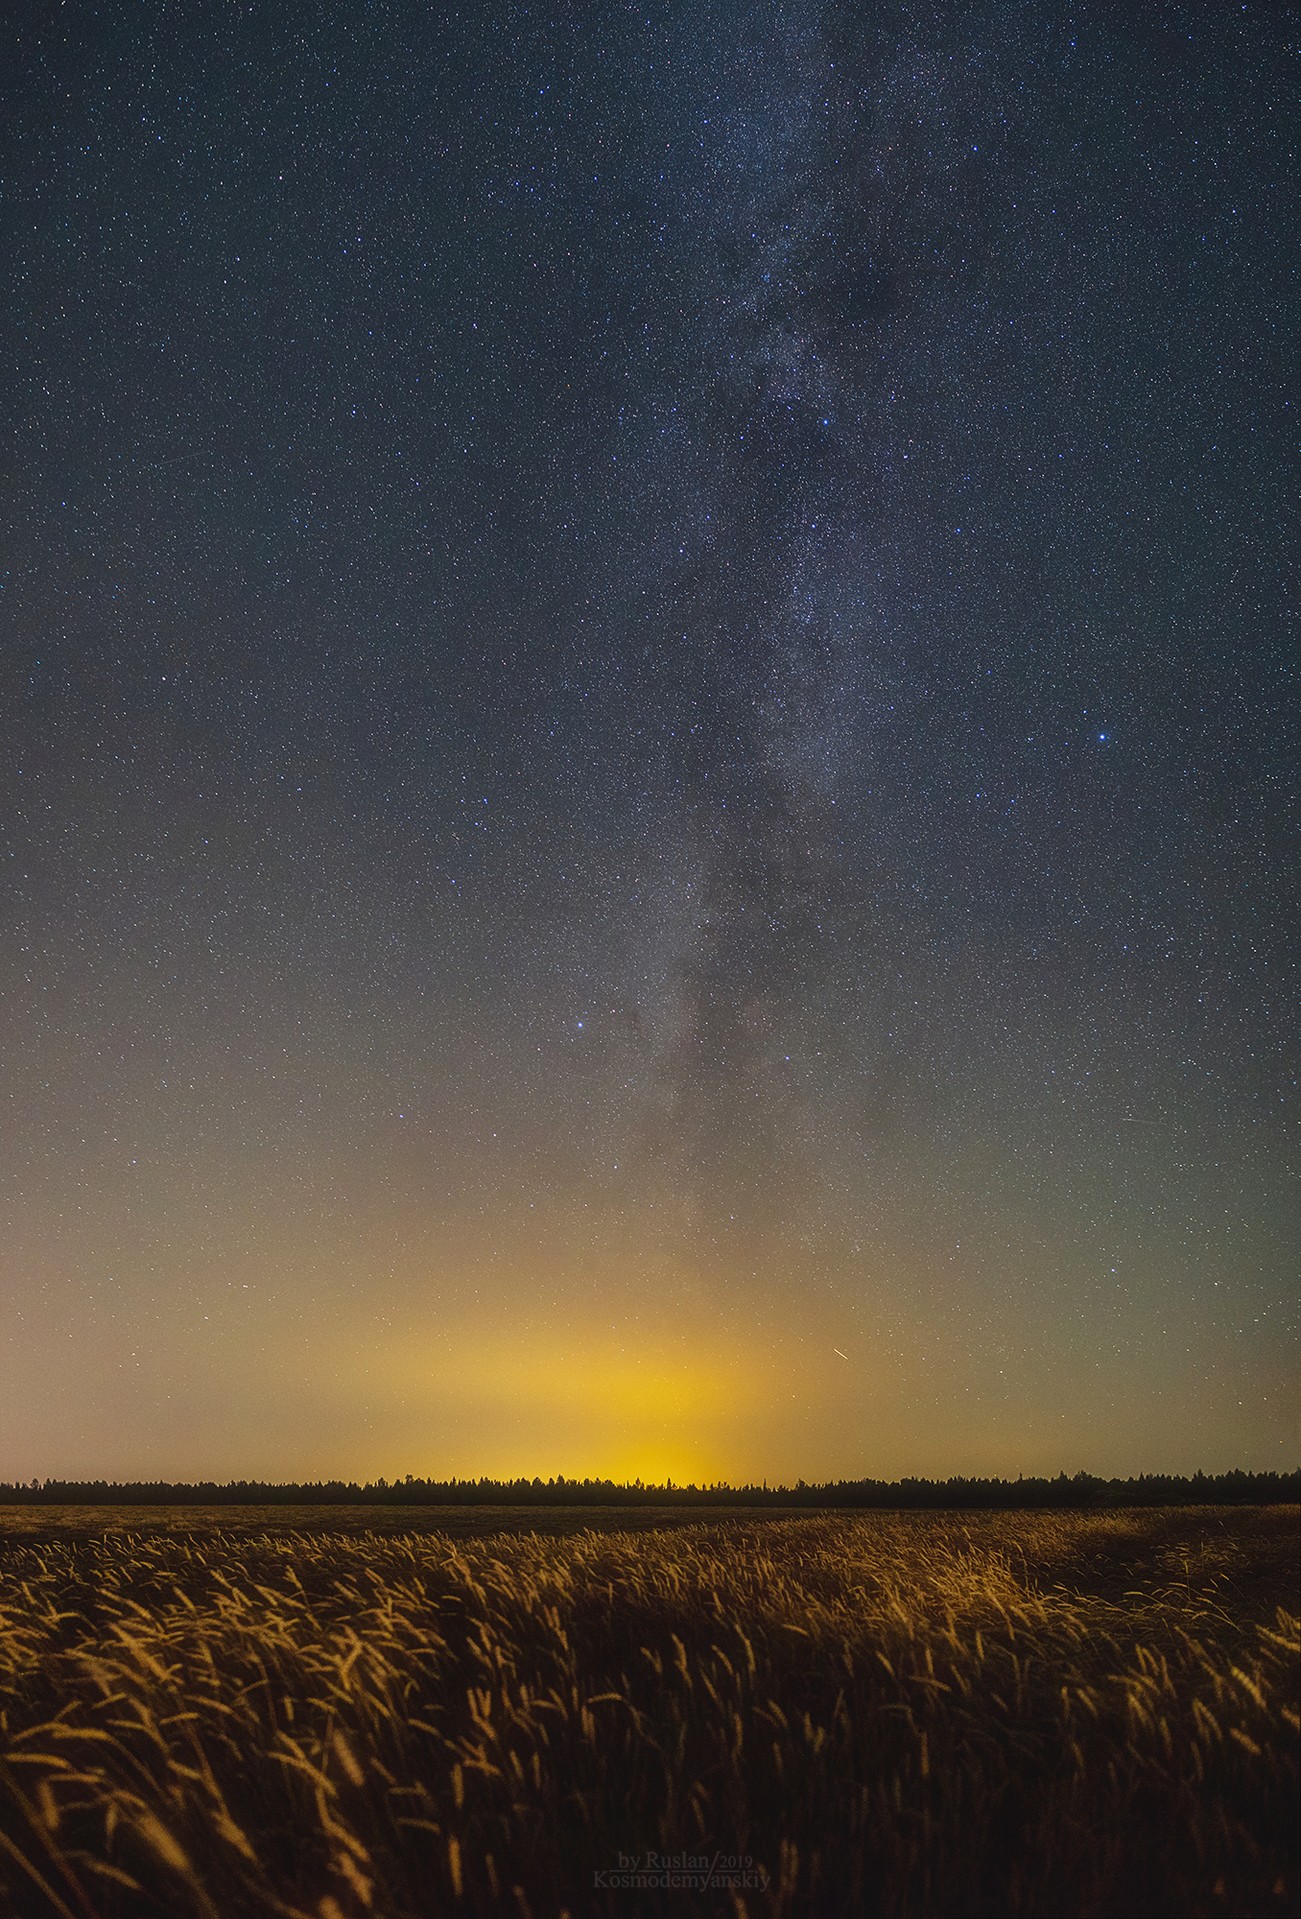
{"points": [[648, 758]]}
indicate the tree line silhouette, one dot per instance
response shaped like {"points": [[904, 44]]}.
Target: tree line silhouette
{"points": [[1065, 1492]]}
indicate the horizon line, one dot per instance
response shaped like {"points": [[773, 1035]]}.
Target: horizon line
{"points": [[416, 1489]]}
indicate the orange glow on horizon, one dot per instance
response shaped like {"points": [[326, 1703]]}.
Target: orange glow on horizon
{"points": [[538, 1404]]}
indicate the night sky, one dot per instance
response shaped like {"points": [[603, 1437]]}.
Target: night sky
{"points": [[646, 741]]}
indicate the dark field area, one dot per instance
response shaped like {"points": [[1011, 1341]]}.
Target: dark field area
{"points": [[451, 1522], [227, 1713]]}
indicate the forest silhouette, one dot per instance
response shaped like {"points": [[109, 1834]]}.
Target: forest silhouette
{"points": [[1076, 1492]]}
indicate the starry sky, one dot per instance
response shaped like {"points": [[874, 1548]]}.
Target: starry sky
{"points": [[647, 769]]}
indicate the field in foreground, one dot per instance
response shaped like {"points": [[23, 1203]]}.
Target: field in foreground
{"points": [[453, 1522], [906, 1714]]}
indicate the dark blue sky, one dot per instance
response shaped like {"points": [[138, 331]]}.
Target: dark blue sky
{"points": [[646, 735]]}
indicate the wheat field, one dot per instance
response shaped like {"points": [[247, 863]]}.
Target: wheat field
{"points": [[896, 1714]]}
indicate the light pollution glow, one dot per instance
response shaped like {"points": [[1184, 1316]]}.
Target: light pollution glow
{"points": [[386, 1382]]}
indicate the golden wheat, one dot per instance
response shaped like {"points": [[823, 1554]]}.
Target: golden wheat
{"points": [[896, 1714]]}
